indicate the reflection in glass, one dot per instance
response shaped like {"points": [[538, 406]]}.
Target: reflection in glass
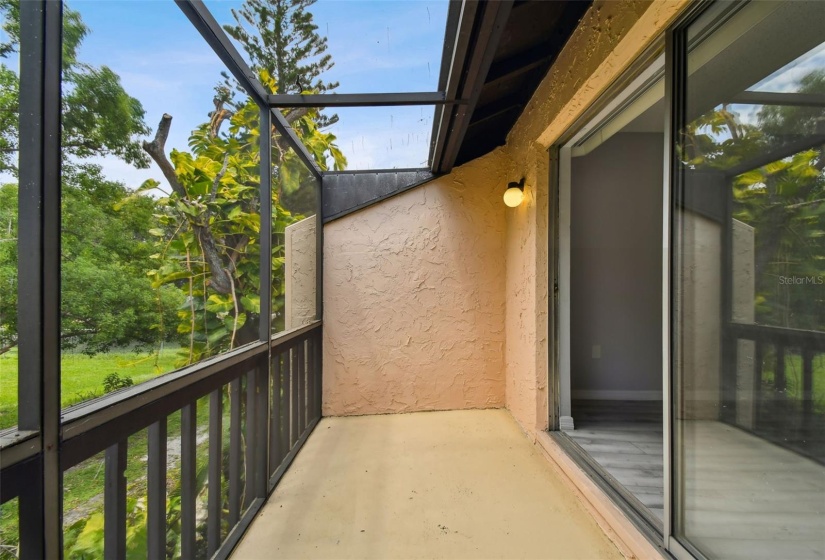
{"points": [[750, 282]]}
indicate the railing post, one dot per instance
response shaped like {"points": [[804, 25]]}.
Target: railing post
{"points": [[303, 401], [286, 402], [275, 454], [311, 382], [156, 508], [807, 386], [38, 271], [213, 523], [114, 502], [251, 438], [235, 451], [779, 382], [319, 372], [297, 387], [188, 458], [262, 425], [757, 380]]}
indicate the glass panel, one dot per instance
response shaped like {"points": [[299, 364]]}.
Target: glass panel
{"points": [[295, 192], [160, 252], [9, 135], [383, 137], [750, 270], [373, 45]]}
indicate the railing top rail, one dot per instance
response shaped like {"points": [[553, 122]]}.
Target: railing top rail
{"points": [[148, 399], [808, 339]]}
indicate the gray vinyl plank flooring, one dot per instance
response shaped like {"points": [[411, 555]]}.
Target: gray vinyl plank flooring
{"points": [[745, 497], [625, 438]]}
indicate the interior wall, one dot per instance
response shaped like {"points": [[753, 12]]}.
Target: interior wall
{"points": [[414, 298], [616, 269]]}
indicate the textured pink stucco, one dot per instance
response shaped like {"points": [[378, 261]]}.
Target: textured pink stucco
{"points": [[414, 298]]}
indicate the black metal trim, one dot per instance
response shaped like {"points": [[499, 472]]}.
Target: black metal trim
{"points": [[288, 100], [41, 533], [205, 23], [460, 18], [265, 235], [488, 32], [372, 171]]}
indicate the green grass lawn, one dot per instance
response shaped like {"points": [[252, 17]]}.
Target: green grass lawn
{"points": [[82, 375]]}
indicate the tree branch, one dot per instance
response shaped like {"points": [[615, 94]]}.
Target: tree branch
{"points": [[296, 114], [157, 151], [220, 280]]}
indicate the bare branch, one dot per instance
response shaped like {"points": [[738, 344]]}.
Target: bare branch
{"points": [[157, 151]]}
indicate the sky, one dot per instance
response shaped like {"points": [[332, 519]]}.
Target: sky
{"points": [[377, 46]]}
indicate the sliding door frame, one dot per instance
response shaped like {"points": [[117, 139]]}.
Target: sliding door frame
{"points": [[673, 44]]}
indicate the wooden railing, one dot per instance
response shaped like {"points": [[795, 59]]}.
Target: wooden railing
{"points": [[273, 394]]}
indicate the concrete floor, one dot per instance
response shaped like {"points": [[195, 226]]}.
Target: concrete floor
{"points": [[459, 484]]}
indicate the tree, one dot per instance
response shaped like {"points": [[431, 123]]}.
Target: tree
{"points": [[98, 117], [209, 239], [106, 298], [279, 37], [107, 301]]}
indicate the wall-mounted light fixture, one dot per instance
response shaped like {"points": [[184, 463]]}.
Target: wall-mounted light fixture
{"points": [[514, 193]]}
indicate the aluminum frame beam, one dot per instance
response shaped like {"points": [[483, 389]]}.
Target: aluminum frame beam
{"points": [[360, 99], [205, 23], [487, 32]]}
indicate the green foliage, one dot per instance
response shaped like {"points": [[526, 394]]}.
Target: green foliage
{"points": [[107, 300], [114, 381], [208, 239]]}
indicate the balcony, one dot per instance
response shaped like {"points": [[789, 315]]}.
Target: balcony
{"points": [[535, 280]]}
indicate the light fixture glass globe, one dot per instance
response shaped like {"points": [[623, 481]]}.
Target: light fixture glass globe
{"points": [[513, 196]]}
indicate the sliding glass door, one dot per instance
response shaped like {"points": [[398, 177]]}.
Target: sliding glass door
{"points": [[749, 281]]}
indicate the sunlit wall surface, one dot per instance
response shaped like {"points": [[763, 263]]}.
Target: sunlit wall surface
{"points": [[750, 281]]}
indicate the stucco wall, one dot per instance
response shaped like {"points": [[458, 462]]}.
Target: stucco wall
{"points": [[299, 272], [414, 298]]}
